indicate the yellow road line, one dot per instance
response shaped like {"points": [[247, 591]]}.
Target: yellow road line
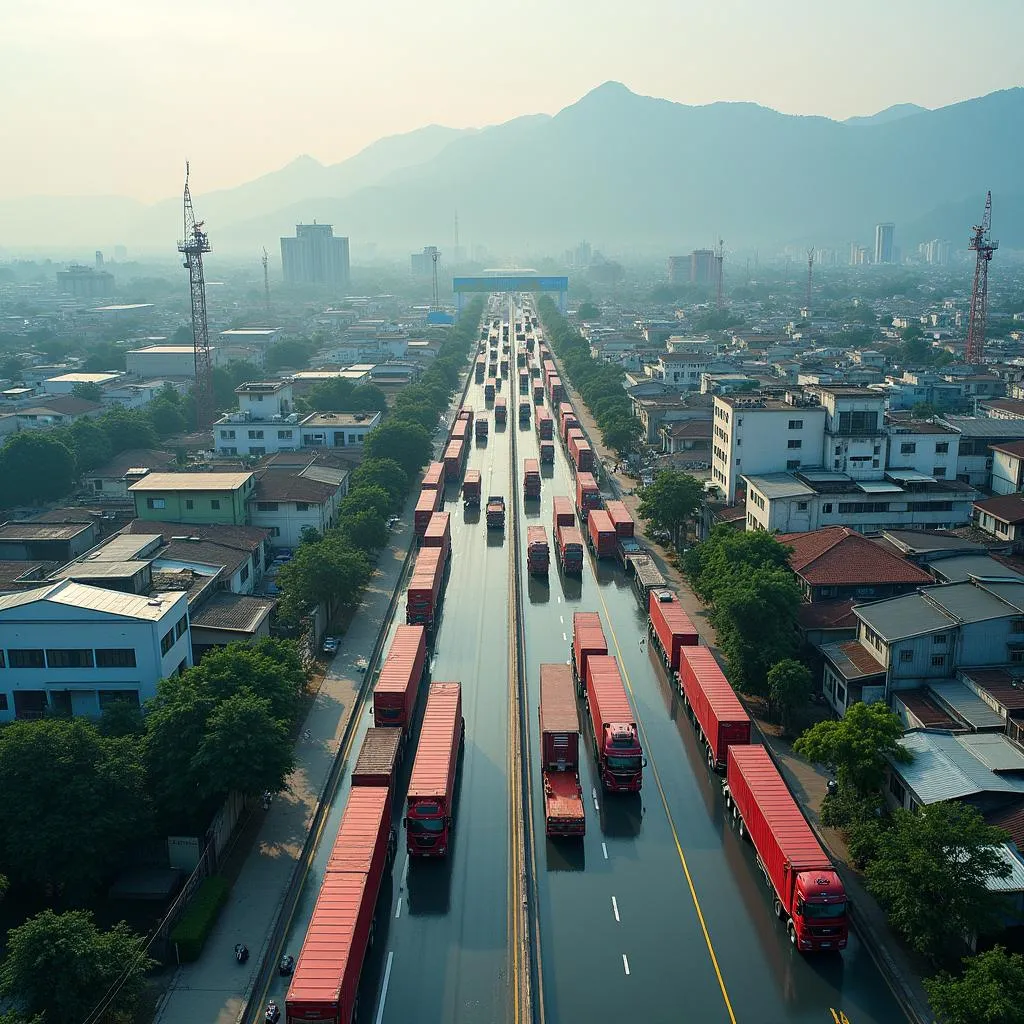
{"points": [[668, 813]]}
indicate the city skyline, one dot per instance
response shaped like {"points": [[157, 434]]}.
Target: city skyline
{"points": [[110, 98]]}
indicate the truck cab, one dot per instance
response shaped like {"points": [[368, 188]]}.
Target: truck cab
{"points": [[427, 827], [819, 911], [495, 512], [621, 758]]}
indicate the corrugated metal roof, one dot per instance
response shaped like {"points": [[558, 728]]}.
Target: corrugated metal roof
{"points": [[904, 616], [968, 705], [994, 751], [962, 568], [1014, 881], [853, 659], [191, 482], [968, 603], [439, 733], [944, 769], [110, 602]]}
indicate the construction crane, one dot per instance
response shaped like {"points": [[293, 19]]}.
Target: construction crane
{"points": [[983, 245], [810, 278], [265, 259], [192, 247], [719, 260], [435, 256]]}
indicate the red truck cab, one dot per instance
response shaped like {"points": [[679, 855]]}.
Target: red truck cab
{"points": [[531, 479], [588, 495], [620, 758], [538, 554]]}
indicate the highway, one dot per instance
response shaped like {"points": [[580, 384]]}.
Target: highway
{"points": [[660, 913]]}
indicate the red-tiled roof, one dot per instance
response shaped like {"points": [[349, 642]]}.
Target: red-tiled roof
{"points": [[1009, 508], [689, 428], [827, 615], [1015, 448], [861, 658], [1011, 819], [999, 684], [839, 556], [926, 711]]}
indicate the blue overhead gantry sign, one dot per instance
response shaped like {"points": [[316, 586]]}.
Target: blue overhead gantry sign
{"points": [[511, 283]]}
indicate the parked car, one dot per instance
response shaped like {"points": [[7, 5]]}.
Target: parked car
{"points": [[330, 645]]}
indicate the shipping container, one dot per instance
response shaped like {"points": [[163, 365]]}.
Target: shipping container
{"points": [[439, 533], [669, 628], [547, 452], [531, 478], [538, 393], [601, 534], [466, 413], [621, 519], [480, 369], [433, 478], [500, 410], [454, 459], [809, 894], [524, 382], [545, 425], [715, 708], [424, 596], [429, 502], [430, 807], [471, 487], [587, 640], [538, 553], [620, 758], [378, 756], [559, 719], [564, 514], [587, 494], [489, 389], [398, 684], [584, 457], [569, 546]]}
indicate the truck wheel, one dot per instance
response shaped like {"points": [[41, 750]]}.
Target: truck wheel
{"points": [[777, 907], [792, 933], [742, 829]]}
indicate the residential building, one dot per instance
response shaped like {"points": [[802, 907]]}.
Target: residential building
{"points": [[702, 267], [316, 256], [337, 429], [58, 411], [1001, 408], [678, 270], [1003, 518], [69, 648], [193, 497], [925, 447], [422, 263], [885, 243], [162, 361], [113, 478], [690, 436], [247, 337], [45, 541], [680, 371], [286, 501], [83, 282], [977, 436], [1008, 467], [65, 383]]}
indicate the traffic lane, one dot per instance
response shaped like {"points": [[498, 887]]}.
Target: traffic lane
{"points": [[449, 919], [721, 864]]}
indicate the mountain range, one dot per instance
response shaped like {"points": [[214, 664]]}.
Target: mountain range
{"points": [[628, 170]]}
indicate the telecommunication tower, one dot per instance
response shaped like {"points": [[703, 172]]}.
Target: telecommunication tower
{"points": [[719, 260], [983, 245], [435, 256], [265, 259], [810, 277], [192, 247]]}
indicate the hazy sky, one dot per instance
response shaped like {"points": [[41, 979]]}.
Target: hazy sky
{"points": [[111, 96]]}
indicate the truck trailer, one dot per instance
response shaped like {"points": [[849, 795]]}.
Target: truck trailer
{"points": [[620, 517], [545, 425], [588, 496], [538, 553], [433, 478], [378, 757], [471, 487], [809, 896], [454, 459], [500, 411], [531, 479], [670, 629], [620, 758], [559, 753], [481, 428], [439, 533], [547, 452], [714, 707], [429, 813], [587, 641], [495, 512], [398, 685], [569, 546], [427, 504], [601, 534], [424, 596]]}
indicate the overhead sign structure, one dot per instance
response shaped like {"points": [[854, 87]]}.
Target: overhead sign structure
{"points": [[511, 283]]}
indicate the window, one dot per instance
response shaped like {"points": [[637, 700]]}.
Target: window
{"points": [[860, 507], [275, 531], [827, 507], [801, 506], [1017, 655], [258, 451], [1017, 625], [25, 658], [97, 485], [792, 464], [939, 638], [908, 448], [796, 424], [739, 441], [938, 472], [897, 790], [839, 449], [167, 642], [156, 503], [938, 660], [65, 658], [878, 449], [115, 657], [244, 574], [227, 435], [794, 443], [266, 506], [229, 451], [942, 448], [255, 435], [284, 435], [302, 506], [858, 423], [215, 503], [1002, 527], [181, 627], [906, 655], [189, 504], [3, 701], [353, 439]]}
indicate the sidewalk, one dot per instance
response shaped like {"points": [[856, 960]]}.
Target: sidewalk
{"points": [[215, 988], [806, 781]]}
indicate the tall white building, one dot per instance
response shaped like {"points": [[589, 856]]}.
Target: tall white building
{"points": [[885, 243], [316, 256]]}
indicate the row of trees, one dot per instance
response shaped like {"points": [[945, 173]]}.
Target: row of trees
{"points": [[598, 383]]}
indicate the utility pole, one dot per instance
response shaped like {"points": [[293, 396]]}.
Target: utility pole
{"points": [[435, 256], [719, 260], [983, 245], [810, 278], [266, 280], [192, 247]]}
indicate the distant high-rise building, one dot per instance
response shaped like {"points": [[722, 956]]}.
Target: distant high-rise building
{"points": [[422, 263], [936, 252], [678, 269], [858, 255], [315, 256], [99, 260], [885, 243], [583, 256], [85, 282], [702, 266]]}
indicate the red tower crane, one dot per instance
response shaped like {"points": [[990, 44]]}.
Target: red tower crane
{"points": [[192, 247], [983, 245]]}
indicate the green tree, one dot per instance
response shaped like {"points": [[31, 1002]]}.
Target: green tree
{"points": [[309, 535], [329, 395], [291, 353], [422, 413], [89, 442], [728, 554], [366, 530], [859, 745], [384, 473], [407, 443], [107, 356], [11, 368], [81, 798], [789, 689], [588, 311], [329, 572], [930, 874], [245, 748], [88, 391], [989, 991], [622, 434], [128, 428], [367, 398], [122, 718], [365, 497], [34, 467], [912, 332], [63, 966], [669, 501], [167, 418]]}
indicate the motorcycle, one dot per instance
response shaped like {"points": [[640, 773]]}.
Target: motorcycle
{"points": [[241, 953], [273, 1014], [286, 966]]}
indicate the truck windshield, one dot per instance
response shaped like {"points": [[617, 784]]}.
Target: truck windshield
{"points": [[624, 764], [388, 712], [425, 824], [824, 911]]}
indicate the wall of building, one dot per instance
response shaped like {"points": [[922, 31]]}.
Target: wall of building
{"points": [[225, 507], [287, 519], [1006, 473]]}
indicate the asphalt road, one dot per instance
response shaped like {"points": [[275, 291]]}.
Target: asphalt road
{"points": [[660, 913]]}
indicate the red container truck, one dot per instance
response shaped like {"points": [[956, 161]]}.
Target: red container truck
{"points": [[809, 894], [559, 745], [587, 641], [564, 409], [601, 534], [531, 478], [547, 452], [466, 413], [538, 393], [427, 504], [569, 545], [424, 597], [433, 478], [378, 756], [538, 554], [325, 983], [564, 514], [460, 430], [500, 410], [620, 758], [524, 382], [584, 457], [495, 512], [573, 436], [439, 533], [557, 391], [489, 389], [453, 459], [720, 718], [398, 685], [568, 424], [587, 494], [670, 628], [481, 429], [621, 519], [479, 369], [471, 488], [429, 814], [545, 425]]}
